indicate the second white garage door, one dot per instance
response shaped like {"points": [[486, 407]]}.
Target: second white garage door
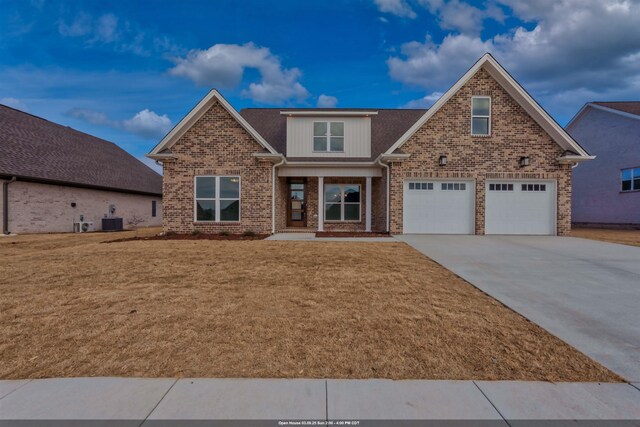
{"points": [[520, 207], [438, 207]]}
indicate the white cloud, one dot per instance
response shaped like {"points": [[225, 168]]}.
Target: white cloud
{"points": [[327, 101], [425, 102], [148, 124], [223, 65], [145, 123], [14, 103], [396, 7], [461, 16], [575, 48]]}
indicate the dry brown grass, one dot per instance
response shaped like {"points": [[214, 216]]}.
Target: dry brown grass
{"points": [[71, 306], [625, 237]]}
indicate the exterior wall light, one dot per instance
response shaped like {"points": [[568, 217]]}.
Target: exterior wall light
{"points": [[442, 161], [524, 161]]}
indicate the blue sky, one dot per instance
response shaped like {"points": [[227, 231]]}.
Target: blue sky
{"points": [[128, 71]]}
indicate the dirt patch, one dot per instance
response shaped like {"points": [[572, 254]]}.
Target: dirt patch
{"points": [[260, 309], [625, 237], [193, 237], [350, 234]]}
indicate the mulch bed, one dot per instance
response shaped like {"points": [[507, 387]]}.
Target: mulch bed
{"points": [[350, 234], [194, 237]]}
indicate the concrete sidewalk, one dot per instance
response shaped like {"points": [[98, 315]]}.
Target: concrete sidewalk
{"points": [[133, 401]]}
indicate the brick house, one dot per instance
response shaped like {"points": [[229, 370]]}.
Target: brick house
{"points": [[57, 179], [484, 159]]}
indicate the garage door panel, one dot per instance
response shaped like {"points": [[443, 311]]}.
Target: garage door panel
{"points": [[438, 207], [520, 207]]}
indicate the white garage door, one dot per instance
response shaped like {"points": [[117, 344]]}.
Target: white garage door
{"points": [[438, 207], [520, 207]]}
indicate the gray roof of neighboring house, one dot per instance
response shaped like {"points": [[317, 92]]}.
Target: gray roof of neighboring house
{"points": [[36, 149], [631, 107], [386, 128]]}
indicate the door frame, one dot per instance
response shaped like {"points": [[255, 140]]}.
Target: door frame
{"points": [[303, 222]]}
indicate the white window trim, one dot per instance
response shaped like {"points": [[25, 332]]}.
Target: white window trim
{"points": [[216, 199], [328, 137], [342, 203], [481, 117], [631, 190]]}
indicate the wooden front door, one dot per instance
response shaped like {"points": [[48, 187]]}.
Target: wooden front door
{"points": [[297, 204]]}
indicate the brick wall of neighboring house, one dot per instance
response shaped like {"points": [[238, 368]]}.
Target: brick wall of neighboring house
{"points": [[217, 145], [513, 134], [45, 208]]}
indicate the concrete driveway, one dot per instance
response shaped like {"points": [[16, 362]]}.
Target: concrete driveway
{"points": [[585, 292]]}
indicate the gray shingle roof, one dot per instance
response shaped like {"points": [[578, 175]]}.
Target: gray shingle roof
{"points": [[631, 107], [35, 148], [386, 127]]}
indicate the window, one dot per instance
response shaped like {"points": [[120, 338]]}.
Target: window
{"points": [[630, 179], [342, 202], [217, 198], [453, 186], [500, 187], [328, 136], [153, 208], [421, 186], [481, 115], [534, 187]]}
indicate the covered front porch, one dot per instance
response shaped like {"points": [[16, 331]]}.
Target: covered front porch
{"points": [[314, 199]]}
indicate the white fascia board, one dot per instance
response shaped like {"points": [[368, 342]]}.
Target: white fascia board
{"points": [[575, 159], [160, 156], [559, 135], [332, 164], [197, 112], [320, 113]]}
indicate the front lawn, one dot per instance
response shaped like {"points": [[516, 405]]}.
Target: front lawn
{"points": [[625, 237], [72, 306]]}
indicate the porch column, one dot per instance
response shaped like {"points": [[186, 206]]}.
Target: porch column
{"points": [[367, 198], [320, 203]]}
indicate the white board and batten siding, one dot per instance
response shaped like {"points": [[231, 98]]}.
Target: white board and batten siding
{"points": [[439, 207], [357, 137], [520, 207]]}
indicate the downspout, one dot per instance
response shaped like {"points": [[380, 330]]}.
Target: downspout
{"points": [[273, 195], [5, 205], [388, 191]]}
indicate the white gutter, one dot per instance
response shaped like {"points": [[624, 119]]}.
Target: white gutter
{"points": [[273, 194]]}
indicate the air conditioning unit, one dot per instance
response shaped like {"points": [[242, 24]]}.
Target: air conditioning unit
{"points": [[83, 227]]}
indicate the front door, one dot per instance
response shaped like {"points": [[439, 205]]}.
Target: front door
{"points": [[297, 204]]}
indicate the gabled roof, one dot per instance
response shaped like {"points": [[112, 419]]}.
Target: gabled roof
{"points": [[627, 109], [631, 107], [386, 127], [487, 62], [36, 149], [194, 115]]}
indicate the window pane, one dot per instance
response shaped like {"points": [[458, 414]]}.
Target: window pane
{"points": [[320, 129], [351, 193], [412, 186], [480, 126], [206, 210], [296, 216], [636, 173], [351, 212], [337, 144], [205, 187], [296, 186], [332, 194], [320, 143], [626, 174], [297, 195], [230, 187], [626, 185], [481, 106], [332, 212], [636, 183], [229, 210], [337, 129]]}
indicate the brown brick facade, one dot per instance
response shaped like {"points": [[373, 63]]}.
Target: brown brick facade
{"points": [[513, 134], [217, 145]]}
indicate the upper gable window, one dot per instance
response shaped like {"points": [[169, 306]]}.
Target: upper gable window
{"points": [[328, 136], [481, 115]]}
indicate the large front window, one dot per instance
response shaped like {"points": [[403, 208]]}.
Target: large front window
{"points": [[630, 179], [217, 198], [480, 116], [328, 136], [342, 202]]}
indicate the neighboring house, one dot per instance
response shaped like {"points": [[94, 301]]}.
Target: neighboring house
{"points": [[52, 174], [607, 190], [484, 159]]}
